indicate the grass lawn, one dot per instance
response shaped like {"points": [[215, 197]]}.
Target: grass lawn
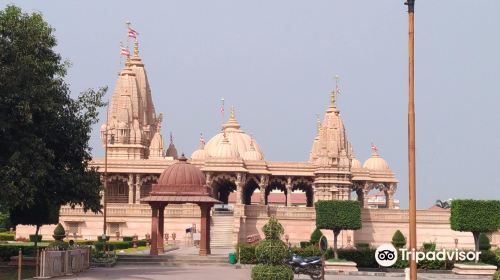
{"points": [[131, 250], [10, 273]]}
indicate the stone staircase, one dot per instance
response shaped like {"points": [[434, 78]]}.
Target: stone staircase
{"points": [[221, 229], [172, 260]]}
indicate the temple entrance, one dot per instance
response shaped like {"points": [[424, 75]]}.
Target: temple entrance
{"points": [[276, 193], [303, 194], [248, 193], [225, 191]]}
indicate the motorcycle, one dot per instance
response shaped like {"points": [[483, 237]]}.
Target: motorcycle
{"points": [[312, 266]]}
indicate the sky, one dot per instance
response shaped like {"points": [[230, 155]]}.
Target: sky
{"points": [[275, 62]]}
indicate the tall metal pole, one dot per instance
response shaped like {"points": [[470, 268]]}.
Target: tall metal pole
{"points": [[104, 196], [411, 141]]}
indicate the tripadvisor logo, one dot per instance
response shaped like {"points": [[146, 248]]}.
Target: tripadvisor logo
{"points": [[386, 255]]}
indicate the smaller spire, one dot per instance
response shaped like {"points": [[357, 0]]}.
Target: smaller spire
{"points": [[335, 92]]}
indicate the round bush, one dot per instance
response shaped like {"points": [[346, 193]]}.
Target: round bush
{"points": [[271, 252], [273, 229], [34, 237], [59, 232], [272, 272], [315, 236]]}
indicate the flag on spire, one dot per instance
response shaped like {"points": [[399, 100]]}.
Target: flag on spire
{"points": [[202, 139], [124, 51], [132, 33], [337, 88], [374, 149]]}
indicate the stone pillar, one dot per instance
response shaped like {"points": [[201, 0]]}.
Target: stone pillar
{"points": [[205, 229], [262, 186], [365, 191], [389, 196], [137, 189], [154, 230], [130, 188], [240, 183], [161, 225], [289, 191]]}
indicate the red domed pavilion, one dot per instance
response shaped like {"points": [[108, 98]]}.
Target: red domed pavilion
{"points": [[180, 183]]}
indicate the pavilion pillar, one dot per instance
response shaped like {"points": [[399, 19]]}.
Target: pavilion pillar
{"points": [[365, 197], [289, 192], [130, 188], [161, 225], [262, 195], [205, 229], [137, 189], [154, 230]]}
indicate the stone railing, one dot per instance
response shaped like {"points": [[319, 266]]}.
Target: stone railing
{"points": [[136, 210], [61, 263], [280, 212]]}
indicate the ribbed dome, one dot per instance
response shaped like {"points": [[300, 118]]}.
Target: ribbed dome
{"points": [[356, 164], [239, 140], [224, 150], [199, 154], [252, 154], [182, 174], [376, 163]]}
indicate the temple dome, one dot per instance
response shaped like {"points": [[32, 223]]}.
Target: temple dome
{"points": [[238, 139], [224, 150], [200, 154], [376, 163], [355, 163], [182, 174]]}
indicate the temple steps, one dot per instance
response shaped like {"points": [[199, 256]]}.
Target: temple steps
{"points": [[221, 230]]}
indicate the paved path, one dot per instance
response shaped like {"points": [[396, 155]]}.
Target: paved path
{"points": [[217, 273]]}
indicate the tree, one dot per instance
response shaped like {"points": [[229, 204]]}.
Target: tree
{"points": [[338, 215], [484, 242], [44, 133], [398, 239], [445, 204], [476, 216]]}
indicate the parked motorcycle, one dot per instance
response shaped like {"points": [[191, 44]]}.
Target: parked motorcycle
{"points": [[312, 266]]}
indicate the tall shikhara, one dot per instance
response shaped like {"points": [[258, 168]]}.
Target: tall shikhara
{"points": [[132, 121]]}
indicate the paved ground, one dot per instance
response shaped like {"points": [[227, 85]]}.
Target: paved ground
{"points": [[217, 273]]}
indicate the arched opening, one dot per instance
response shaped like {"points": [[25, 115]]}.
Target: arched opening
{"points": [[248, 193], [276, 193], [302, 194], [146, 186], [117, 190], [222, 191]]}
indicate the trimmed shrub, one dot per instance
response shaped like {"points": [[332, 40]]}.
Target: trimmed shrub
{"points": [[429, 246], [315, 236], [305, 244], [364, 258], [8, 250], [309, 251], [271, 251], [398, 239], [246, 253], [271, 272], [496, 275], [362, 245], [142, 242], [59, 232], [128, 238], [34, 237], [484, 242], [85, 242], [5, 236], [489, 257]]}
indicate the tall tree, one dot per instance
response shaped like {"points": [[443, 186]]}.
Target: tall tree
{"points": [[475, 216], [44, 133], [338, 215]]}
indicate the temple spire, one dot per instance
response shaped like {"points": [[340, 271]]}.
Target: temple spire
{"points": [[335, 92], [136, 48]]}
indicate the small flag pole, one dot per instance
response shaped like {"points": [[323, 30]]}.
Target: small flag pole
{"points": [[222, 112]]}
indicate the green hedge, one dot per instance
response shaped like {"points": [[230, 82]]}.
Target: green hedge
{"points": [[475, 215], [246, 253], [7, 251], [128, 238], [118, 245], [272, 272], [305, 244], [496, 276], [34, 237], [338, 214], [362, 245], [306, 252], [85, 242], [5, 236]]}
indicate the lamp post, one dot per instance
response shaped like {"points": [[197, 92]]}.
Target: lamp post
{"points": [[104, 196], [411, 140]]}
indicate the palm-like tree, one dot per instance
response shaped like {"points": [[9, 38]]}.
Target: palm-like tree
{"points": [[445, 204]]}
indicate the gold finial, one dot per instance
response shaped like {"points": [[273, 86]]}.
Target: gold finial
{"points": [[232, 112], [335, 92], [136, 48]]}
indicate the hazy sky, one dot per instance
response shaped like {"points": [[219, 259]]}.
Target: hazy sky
{"points": [[275, 62]]}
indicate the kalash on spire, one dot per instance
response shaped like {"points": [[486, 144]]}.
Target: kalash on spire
{"points": [[132, 121]]}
